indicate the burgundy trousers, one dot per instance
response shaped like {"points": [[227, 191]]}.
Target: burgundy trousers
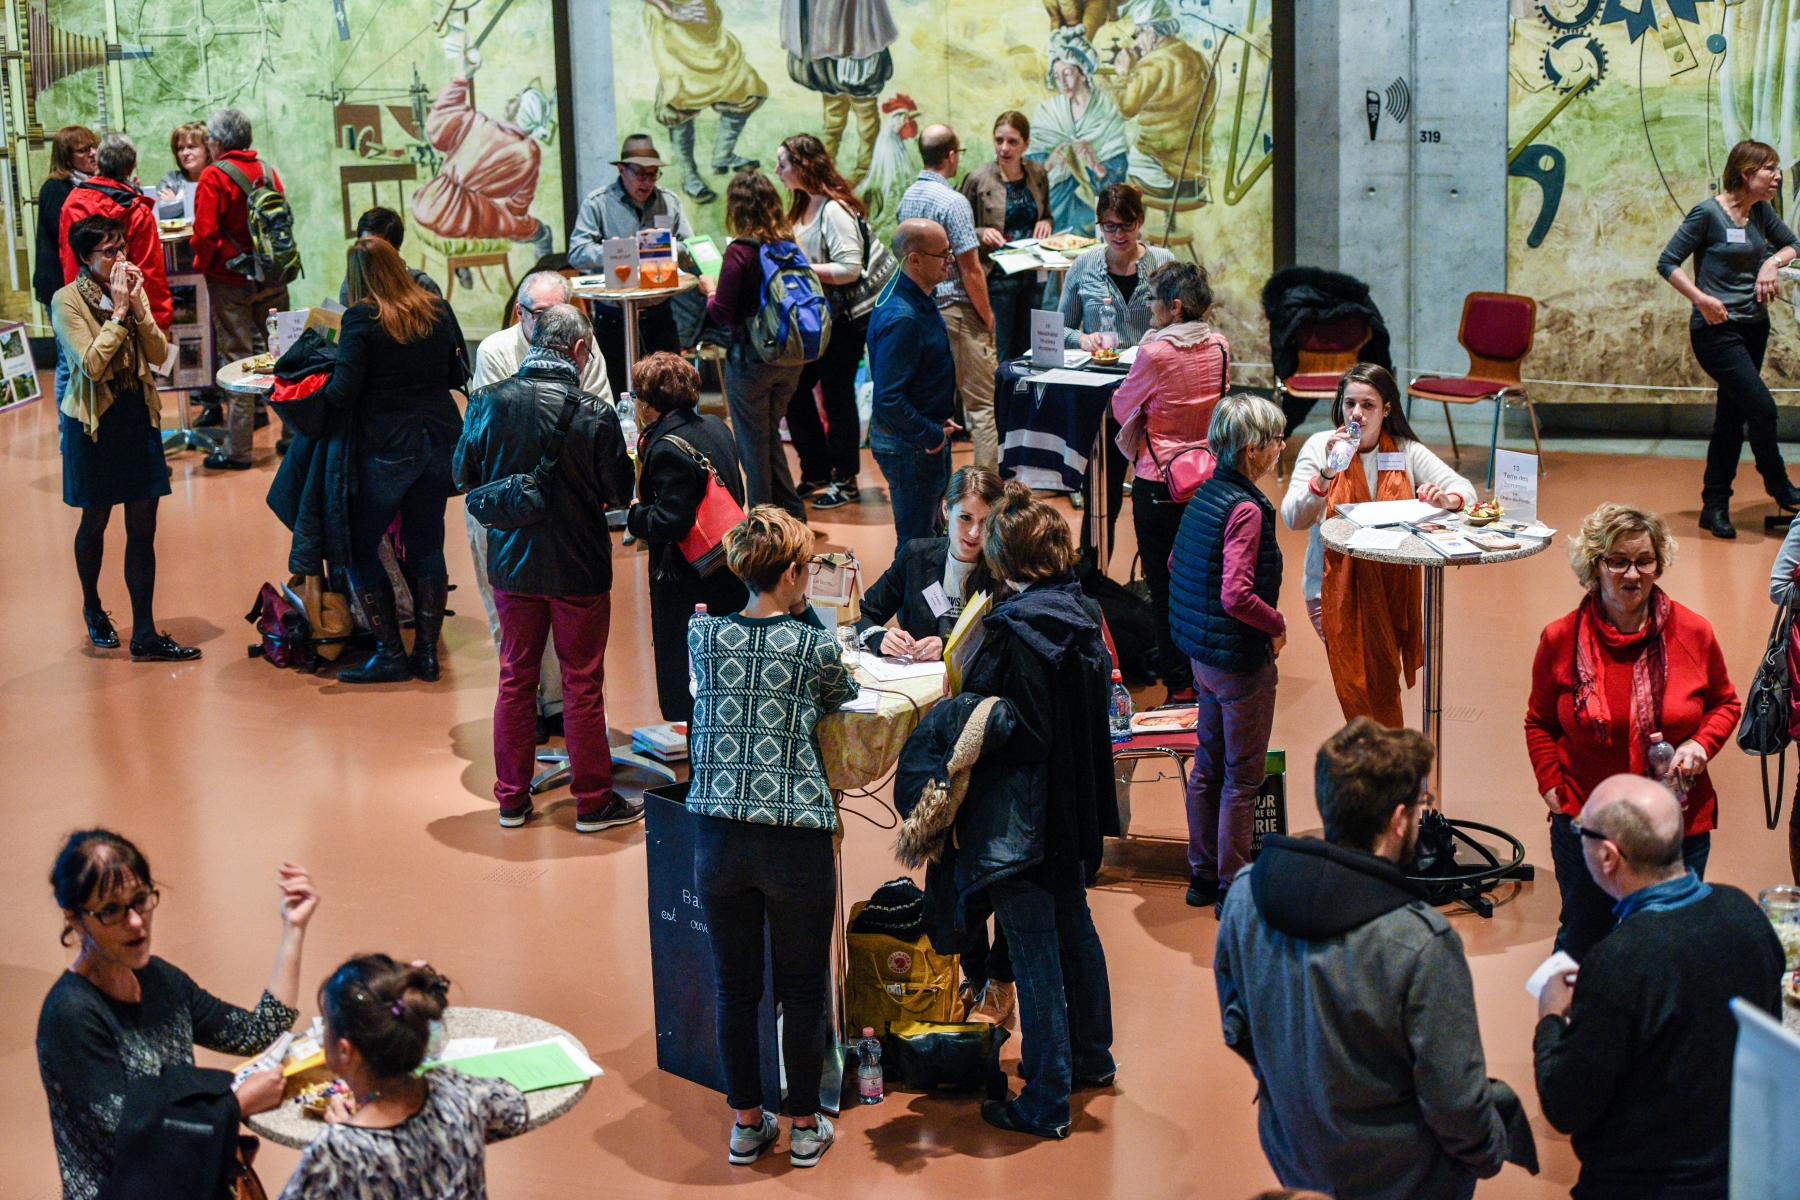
{"points": [[580, 625]]}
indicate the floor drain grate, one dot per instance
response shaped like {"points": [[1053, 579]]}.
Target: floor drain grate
{"points": [[513, 876], [1462, 712]]}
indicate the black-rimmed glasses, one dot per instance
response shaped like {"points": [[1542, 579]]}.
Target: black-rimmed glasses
{"points": [[143, 904]]}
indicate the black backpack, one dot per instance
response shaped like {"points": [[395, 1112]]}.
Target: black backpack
{"points": [[1132, 623], [177, 1138]]}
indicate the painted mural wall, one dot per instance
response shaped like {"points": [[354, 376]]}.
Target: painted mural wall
{"points": [[1170, 94], [1622, 113], [443, 109]]}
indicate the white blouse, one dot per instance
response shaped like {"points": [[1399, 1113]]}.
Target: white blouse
{"points": [[1303, 508]]}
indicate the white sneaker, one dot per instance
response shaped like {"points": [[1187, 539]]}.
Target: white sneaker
{"points": [[807, 1146], [748, 1144]]}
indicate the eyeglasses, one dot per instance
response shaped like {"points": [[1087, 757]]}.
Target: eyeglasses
{"points": [[1111, 227], [648, 174], [143, 904], [815, 564], [946, 257], [1619, 565], [1585, 832]]}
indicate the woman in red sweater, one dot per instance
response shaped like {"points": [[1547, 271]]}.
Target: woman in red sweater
{"points": [[1628, 666]]}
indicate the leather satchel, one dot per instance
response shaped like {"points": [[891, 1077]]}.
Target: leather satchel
{"points": [[516, 501], [1766, 729], [704, 545]]}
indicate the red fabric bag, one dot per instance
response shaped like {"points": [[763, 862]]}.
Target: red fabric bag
{"points": [[704, 545]]}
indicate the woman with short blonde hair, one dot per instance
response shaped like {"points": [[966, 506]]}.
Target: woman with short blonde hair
{"points": [[1628, 669]]}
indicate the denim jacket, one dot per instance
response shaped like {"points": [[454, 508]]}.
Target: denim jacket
{"points": [[1087, 285]]}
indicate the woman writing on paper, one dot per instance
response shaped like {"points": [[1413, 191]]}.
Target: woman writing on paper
{"points": [[1369, 614], [932, 578]]}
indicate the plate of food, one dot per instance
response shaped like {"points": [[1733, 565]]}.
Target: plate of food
{"points": [[261, 364], [1066, 241], [1484, 513], [175, 226]]}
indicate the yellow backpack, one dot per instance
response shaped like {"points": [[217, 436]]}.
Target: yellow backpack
{"points": [[894, 981]]}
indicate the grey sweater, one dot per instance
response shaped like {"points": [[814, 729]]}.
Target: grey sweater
{"points": [[1727, 258], [1087, 285], [1350, 998]]}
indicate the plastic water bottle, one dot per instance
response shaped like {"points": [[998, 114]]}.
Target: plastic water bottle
{"points": [[273, 339], [1343, 452], [1108, 333], [693, 675], [1119, 711], [1660, 756], [868, 1069], [628, 423]]}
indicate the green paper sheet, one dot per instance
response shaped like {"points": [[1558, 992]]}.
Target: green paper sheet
{"points": [[528, 1068], [706, 255]]}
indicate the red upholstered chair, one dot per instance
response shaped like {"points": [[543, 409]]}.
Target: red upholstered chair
{"points": [[1326, 350], [1497, 330]]}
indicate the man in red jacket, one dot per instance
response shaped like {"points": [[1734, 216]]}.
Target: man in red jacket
{"points": [[221, 238], [110, 194]]}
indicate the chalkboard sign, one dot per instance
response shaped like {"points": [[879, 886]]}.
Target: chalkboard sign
{"points": [[1271, 801], [681, 967]]}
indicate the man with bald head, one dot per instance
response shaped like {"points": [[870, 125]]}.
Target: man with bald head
{"points": [[1634, 1051], [914, 376], [962, 295]]}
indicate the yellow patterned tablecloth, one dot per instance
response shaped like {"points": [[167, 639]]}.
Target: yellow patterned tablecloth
{"points": [[859, 748]]}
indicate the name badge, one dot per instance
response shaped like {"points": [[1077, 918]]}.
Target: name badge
{"points": [[1737, 236], [1391, 460], [937, 600]]}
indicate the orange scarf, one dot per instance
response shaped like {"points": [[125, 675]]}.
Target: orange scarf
{"points": [[1373, 612]]}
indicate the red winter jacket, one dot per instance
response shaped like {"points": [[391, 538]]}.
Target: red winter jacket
{"points": [[99, 197], [1698, 702], [221, 218]]}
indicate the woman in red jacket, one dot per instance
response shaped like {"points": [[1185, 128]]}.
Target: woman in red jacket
{"points": [[1627, 668]]}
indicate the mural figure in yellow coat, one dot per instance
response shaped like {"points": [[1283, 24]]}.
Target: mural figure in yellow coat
{"points": [[700, 65], [1162, 82]]}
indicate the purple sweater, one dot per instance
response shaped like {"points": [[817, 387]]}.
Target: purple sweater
{"points": [[739, 293], [1237, 585]]}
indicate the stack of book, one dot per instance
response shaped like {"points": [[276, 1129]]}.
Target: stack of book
{"points": [[668, 741]]}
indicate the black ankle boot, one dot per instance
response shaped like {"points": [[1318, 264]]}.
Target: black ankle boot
{"points": [[1717, 521], [429, 597], [389, 663]]}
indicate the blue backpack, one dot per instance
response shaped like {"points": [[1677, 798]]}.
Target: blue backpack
{"points": [[793, 326]]}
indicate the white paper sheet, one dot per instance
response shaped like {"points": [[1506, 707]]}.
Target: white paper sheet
{"points": [[1390, 512], [1378, 539], [1076, 378], [1127, 356], [463, 1047], [1558, 962], [867, 701], [886, 670]]}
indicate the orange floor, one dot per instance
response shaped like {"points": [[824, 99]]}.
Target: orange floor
{"points": [[222, 768]]}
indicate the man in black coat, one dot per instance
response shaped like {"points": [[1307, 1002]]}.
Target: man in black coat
{"points": [[554, 574], [1634, 1054]]}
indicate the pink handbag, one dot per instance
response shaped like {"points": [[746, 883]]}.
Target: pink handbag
{"points": [[1194, 465]]}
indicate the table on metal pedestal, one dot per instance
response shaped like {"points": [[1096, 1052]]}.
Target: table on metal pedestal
{"points": [[1413, 552], [593, 287]]}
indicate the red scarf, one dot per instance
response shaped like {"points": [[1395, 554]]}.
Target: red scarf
{"points": [[1649, 674]]}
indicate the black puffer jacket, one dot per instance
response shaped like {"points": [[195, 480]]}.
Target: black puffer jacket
{"points": [[569, 552], [1296, 296]]}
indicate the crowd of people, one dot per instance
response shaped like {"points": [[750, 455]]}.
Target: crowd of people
{"points": [[1344, 990]]}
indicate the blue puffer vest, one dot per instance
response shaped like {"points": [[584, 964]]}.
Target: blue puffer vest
{"points": [[1197, 617]]}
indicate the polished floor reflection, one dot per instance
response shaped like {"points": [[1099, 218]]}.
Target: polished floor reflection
{"points": [[224, 767]]}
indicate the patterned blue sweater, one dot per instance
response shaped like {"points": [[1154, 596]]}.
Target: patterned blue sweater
{"points": [[764, 682]]}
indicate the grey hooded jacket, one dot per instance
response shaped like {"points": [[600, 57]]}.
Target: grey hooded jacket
{"points": [[1350, 998]]}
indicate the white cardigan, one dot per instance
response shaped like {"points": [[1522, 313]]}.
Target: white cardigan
{"points": [[1303, 508]]}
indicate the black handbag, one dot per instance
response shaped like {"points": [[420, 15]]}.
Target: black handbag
{"points": [[516, 501], [1766, 728]]}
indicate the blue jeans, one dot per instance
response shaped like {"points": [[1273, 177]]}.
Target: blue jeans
{"points": [[64, 366], [744, 874], [415, 484], [916, 482], [1587, 914], [1065, 1002]]}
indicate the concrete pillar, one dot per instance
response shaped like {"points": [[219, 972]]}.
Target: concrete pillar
{"points": [[1400, 159], [595, 130]]}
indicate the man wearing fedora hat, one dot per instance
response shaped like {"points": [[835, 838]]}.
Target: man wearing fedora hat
{"points": [[629, 203]]}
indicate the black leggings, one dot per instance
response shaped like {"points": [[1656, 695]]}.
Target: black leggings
{"points": [[140, 560], [835, 453], [1732, 353]]}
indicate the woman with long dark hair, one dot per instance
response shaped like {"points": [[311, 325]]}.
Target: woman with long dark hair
{"points": [[831, 228], [110, 426], [1738, 245], [1370, 614], [400, 351], [757, 392], [119, 1014]]}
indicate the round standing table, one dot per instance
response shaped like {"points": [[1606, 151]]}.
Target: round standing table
{"points": [[1336, 533], [290, 1126], [593, 287], [238, 377]]}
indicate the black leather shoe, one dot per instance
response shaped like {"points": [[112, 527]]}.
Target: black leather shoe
{"points": [[1002, 1114], [211, 417], [162, 648], [222, 462], [100, 629], [1789, 499], [429, 596], [1717, 521], [1201, 892], [389, 663]]}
